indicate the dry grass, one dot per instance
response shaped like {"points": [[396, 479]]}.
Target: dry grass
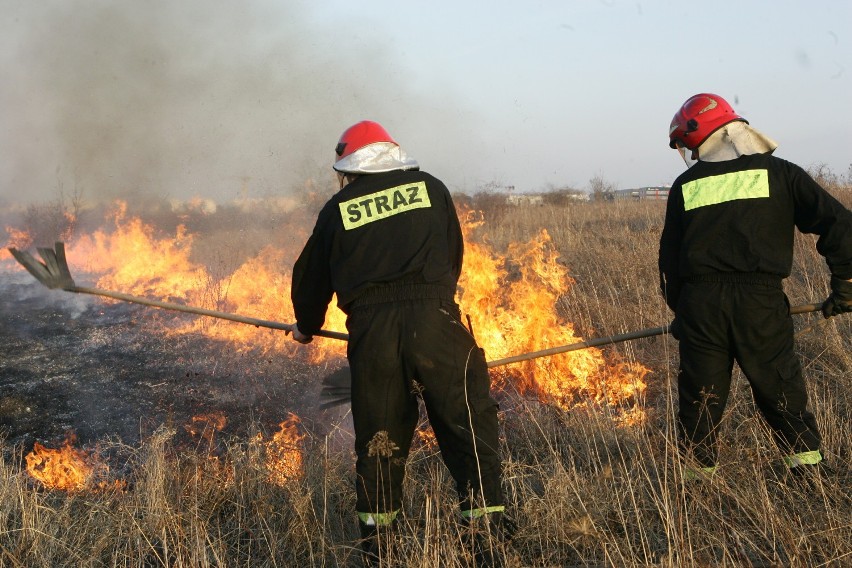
{"points": [[585, 489]]}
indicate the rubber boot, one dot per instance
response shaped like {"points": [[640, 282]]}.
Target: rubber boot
{"points": [[485, 539], [810, 477], [375, 544], [369, 545]]}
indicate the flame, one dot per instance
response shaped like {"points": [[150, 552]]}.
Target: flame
{"points": [[206, 425], [284, 451], [425, 436], [19, 239], [260, 288], [511, 300], [68, 468], [512, 305], [133, 258], [56, 220]]}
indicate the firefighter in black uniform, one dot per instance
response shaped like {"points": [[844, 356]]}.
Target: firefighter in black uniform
{"points": [[390, 246], [726, 246]]}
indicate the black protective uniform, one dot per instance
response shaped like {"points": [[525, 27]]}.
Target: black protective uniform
{"points": [[726, 246], [390, 246]]}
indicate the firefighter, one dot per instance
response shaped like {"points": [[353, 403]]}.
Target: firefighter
{"points": [[726, 247], [389, 245]]}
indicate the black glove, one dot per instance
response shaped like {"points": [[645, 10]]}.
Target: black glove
{"points": [[840, 300], [675, 329]]}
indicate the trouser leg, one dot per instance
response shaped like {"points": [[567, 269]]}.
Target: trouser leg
{"points": [[389, 346], [766, 353], [706, 362], [456, 391], [384, 412], [702, 399]]}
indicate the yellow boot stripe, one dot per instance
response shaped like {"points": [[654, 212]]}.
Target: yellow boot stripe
{"points": [[476, 513], [803, 458], [377, 519]]}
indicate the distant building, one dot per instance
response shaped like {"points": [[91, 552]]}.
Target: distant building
{"points": [[555, 197], [524, 199], [573, 195], [656, 193]]}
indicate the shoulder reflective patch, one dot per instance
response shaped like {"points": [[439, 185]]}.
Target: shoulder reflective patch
{"points": [[383, 204], [748, 184]]}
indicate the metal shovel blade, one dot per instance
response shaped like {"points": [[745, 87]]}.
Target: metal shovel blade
{"points": [[53, 272]]}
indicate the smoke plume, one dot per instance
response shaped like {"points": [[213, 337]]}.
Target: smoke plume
{"points": [[175, 99]]}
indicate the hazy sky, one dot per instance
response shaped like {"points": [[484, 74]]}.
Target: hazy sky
{"points": [[214, 98]]}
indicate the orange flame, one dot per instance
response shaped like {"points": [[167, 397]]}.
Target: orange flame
{"points": [[284, 451], [132, 259], [67, 468], [19, 239], [425, 436], [135, 260], [206, 425], [512, 304]]}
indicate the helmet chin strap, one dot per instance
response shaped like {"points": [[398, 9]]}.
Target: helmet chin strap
{"points": [[344, 179], [690, 157]]}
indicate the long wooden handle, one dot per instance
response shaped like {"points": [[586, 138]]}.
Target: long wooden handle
{"points": [[597, 342], [200, 311]]}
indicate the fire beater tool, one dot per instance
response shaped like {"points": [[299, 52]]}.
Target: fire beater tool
{"points": [[54, 274]]}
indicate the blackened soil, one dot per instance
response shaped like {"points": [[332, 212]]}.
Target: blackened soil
{"points": [[70, 362]]}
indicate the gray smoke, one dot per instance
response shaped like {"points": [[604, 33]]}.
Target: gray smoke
{"points": [[175, 99]]}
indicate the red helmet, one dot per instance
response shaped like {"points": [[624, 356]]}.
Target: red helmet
{"points": [[699, 117], [359, 135]]}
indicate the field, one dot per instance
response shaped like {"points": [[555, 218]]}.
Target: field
{"points": [[592, 478]]}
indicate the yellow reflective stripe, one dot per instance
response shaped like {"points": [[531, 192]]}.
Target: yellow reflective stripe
{"points": [[748, 184], [476, 513], [383, 204], [803, 458], [377, 519]]}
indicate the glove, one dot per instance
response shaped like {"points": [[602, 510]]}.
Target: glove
{"points": [[299, 336], [840, 300], [675, 329]]}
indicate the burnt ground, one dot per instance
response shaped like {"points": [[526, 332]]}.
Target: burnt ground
{"points": [[70, 362]]}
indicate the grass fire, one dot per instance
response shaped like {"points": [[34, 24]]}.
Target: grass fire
{"points": [[135, 436]]}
